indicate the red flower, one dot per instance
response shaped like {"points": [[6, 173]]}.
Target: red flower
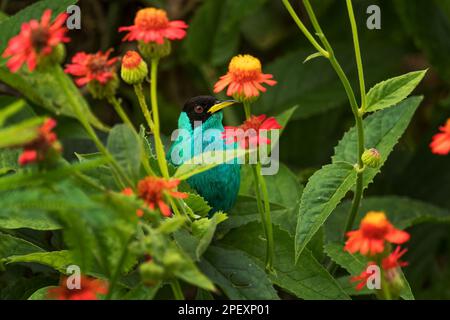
{"points": [[244, 78], [441, 141], [363, 277], [374, 230], [35, 40], [37, 149], [393, 260], [89, 290], [250, 132], [152, 25], [92, 67], [154, 190]]}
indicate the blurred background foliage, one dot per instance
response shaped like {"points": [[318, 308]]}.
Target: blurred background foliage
{"points": [[414, 35]]}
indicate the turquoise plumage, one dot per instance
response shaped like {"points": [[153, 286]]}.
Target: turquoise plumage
{"points": [[220, 185]]}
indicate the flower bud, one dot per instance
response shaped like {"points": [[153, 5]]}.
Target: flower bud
{"points": [[173, 260], [154, 50], [134, 69], [151, 272], [371, 158]]}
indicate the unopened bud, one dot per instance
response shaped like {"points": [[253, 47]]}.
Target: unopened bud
{"points": [[371, 158], [134, 69]]}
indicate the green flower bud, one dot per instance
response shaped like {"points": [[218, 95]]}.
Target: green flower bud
{"points": [[151, 272], [371, 158], [172, 260], [102, 91], [134, 69]]}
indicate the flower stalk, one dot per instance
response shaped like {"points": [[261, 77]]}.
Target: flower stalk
{"points": [[159, 147], [263, 203], [357, 112]]}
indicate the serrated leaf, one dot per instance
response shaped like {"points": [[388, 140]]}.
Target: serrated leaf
{"points": [[237, 274], [355, 264], [306, 279], [382, 130], [197, 204], [325, 189], [125, 146], [390, 92]]}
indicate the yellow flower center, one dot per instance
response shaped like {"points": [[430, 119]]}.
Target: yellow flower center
{"points": [[151, 19], [245, 67]]}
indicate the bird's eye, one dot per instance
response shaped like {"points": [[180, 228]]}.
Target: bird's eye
{"points": [[198, 109]]}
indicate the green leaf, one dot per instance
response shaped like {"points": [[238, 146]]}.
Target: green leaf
{"points": [[142, 292], [19, 134], [125, 146], [10, 245], [382, 129], [41, 294], [58, 260], [9, 160], [191, 274], [313, 56], [197, 205], [10, 110], [306, 279], [237, 275], [204, 230], [355, 264], [403, 212], [325, 189], [390, 92]]}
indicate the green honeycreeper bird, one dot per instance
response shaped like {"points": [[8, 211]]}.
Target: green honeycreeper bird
{"points": [[201, 122]]}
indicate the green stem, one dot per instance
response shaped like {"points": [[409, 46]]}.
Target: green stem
{"points": [[267, 221], [362, 85], [357, 113], [159, 147], [143, 104], [118, 107], [263, 206], [176, 289], [305, 31]]}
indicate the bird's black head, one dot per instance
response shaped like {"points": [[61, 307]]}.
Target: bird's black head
{"points": [[197, 108]]}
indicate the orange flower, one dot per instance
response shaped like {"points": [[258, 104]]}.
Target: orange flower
{"points": [[37, 149], [249, 133], [155, 190], [363, 277], [441, 141], [393, 260], [92, 67], [374, 230], [89, 290], [35, 40], [244, 78], [152, 25]]}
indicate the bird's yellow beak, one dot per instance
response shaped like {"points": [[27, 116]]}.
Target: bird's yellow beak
{"points": [[221, 105]]}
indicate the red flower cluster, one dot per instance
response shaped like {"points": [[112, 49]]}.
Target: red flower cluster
{"points": [[89, 290], [152, 25], [38, 149], [35, 40], [252, 133], [370, 240], [155, 191], [92, 67], [441, 141]]}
